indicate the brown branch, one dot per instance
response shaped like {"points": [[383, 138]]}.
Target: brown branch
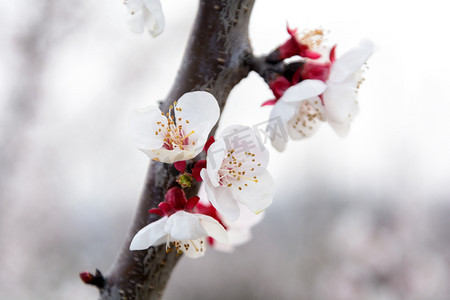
{"points": [[215, 61]]}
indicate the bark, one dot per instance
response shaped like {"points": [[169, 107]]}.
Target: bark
{"points": [[215, 60]]}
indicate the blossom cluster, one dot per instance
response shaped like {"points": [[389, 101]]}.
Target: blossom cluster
{"points": [[319, 90], [234, 175], [235, 183]]}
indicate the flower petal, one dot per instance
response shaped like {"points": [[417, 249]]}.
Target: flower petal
{"points": [[184, 226], [143, 127], [351, 61], [194, 248], [154, 17], [221, 198], [169, 156], [213, 228], [243, 141], [197, 107], [281, 113], [214, 160], [133, 5], [340, 101], [197, 138], [341, 129], [257, 196], [150, 235], [305, 89], [307, 119]]}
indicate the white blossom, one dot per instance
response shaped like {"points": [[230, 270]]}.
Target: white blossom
{"points": [[236, 173], [181, 133], [304, 106], [186, 231], [145, 14]]}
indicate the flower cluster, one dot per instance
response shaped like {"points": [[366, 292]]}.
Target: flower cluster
{"points": [[318, 91], [234, 175]]}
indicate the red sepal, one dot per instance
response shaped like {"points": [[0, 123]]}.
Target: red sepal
{"points": [[316, 70], [333, 54], [269, 102], [310, 54], [157, 211], [297, 77], [211, 241], [176, 198], [192, 202], [208, 143], [180, 165], [201, 164], [279, 86], [166, 208], [294, 47]]}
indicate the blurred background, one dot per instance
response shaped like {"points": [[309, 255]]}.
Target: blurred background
{"points": [[365, 217]]}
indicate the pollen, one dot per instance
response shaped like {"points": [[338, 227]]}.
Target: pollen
{"points": [[173, 133], [234, 167], [307, 118], [312, 37]]}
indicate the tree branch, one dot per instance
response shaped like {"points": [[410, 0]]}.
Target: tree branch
{"points": [[215, 60]]}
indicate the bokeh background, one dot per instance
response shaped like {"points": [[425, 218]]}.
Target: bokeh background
{"points": [[365, 217]]}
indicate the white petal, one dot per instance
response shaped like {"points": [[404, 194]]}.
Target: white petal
{"points": [[242, 139], [149, 235], [351, 61], [184, 226], [239, 237], [194, 248], [340, 101], [197, 107], [143, 127], [214, 159], [341, 129], [213, 228], [235, 238], [197, 138], [307, 119], [279, 143], [304, 90], [155, 17], [247, 219], [257, 196], [281, 113], [133, 5], [221, 198], [239, 232], [169, 156]]}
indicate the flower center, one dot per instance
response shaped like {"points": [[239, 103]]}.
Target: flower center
{"points": [[312, 38], [234, 168], [306, 118], [174, 135], [197, 245]]}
